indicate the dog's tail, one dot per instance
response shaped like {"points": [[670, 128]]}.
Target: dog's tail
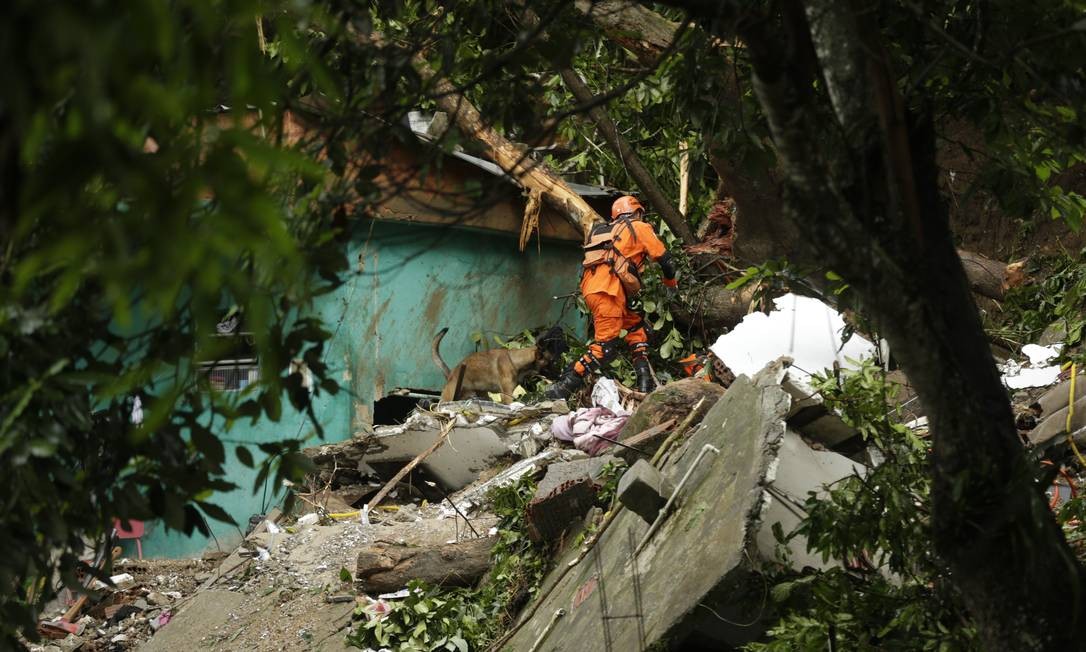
{"points": [[435, 352]]}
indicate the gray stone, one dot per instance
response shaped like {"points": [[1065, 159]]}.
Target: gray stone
{"points": [[643, 490], [1055, 333], [70, 643]]}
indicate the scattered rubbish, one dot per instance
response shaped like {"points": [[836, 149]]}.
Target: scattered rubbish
{"points": [[802, 328], [591, 430], [308, 519], [161, 620], [1018, 376], [605, 394], [396, 595]]}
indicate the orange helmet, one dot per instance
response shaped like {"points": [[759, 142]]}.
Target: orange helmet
{"points": [[625, 205]]}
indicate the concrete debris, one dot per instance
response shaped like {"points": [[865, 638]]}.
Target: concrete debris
{"points": [[484, 432], [643, 490], [672, 402], [810, 416], [564, 496], [474, 497], [732, 499], [802, 328]]}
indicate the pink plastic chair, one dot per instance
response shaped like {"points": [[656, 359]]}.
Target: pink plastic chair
{"points": [[135, 531]]}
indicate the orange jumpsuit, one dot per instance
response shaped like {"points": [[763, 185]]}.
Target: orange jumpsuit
{"points": [[606, 299]]}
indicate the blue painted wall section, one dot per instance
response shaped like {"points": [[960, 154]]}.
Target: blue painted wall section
{"points": [[409, 281]]}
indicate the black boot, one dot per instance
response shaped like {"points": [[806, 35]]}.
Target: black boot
{"points": [[645, 383], [565, 386]]}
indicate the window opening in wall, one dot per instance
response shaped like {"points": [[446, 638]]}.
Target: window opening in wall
{"points": [[235, 366], [393, 409]]}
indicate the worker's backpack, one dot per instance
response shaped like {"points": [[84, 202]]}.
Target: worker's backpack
{"points": [[600, 250]]}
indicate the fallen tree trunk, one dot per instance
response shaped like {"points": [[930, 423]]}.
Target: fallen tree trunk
{"points": [[716, 307], [384, 567], [991, 278], [671, 216], [514, 160]]}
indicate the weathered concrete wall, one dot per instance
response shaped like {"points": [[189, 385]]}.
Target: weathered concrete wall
{"points": [[409, 281]]}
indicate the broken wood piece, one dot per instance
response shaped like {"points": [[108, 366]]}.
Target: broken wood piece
{"points": [[376, 500], [531, 219], [384, 567], [514, 160], [645, 442], [991, 278]]}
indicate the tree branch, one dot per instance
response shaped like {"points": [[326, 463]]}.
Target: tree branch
{"points": [[628, 156]]}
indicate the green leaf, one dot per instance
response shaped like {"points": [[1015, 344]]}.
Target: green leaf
{"points": [[344, 575], [244, 456]]}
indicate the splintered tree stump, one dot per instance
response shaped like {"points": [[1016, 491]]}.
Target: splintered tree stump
{"points": [[991, 278], [386, 567]]}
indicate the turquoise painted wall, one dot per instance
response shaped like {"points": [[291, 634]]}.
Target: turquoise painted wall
{"points": [[409, 281]]}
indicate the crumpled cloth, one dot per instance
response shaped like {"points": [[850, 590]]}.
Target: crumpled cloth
{"points": [[586, 428]]}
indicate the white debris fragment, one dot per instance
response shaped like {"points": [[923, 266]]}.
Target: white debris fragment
{"points": [[803, 328], [1025, 377], [272, 527], [1035, 373], [262, 554], [1041, 355], [402, 593], [605, 395], [308, 519]]}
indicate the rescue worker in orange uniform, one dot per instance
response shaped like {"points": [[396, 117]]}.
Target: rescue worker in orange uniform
{"points": [[614, 256]]}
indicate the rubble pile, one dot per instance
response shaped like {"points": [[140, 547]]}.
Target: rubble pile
{"points": [[690, 463]]}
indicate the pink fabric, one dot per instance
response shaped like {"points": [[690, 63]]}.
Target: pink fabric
{"points": [[587, 427]]}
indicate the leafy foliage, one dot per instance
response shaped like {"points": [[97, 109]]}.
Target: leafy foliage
{"points": [[1058, 294], [889, 591], [134, 217]]}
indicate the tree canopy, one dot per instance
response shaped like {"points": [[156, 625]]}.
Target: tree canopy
{"points": [[149, 188]]}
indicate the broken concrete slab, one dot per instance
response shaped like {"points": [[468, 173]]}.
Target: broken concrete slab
{"points": [[728, 499], [643, 490], [1052, 430], [561, 472], [799, 470], [1057, 396], [468, 500], [483, 432], [810, 415], [564, 496], [204, 612], [676, 568]]}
